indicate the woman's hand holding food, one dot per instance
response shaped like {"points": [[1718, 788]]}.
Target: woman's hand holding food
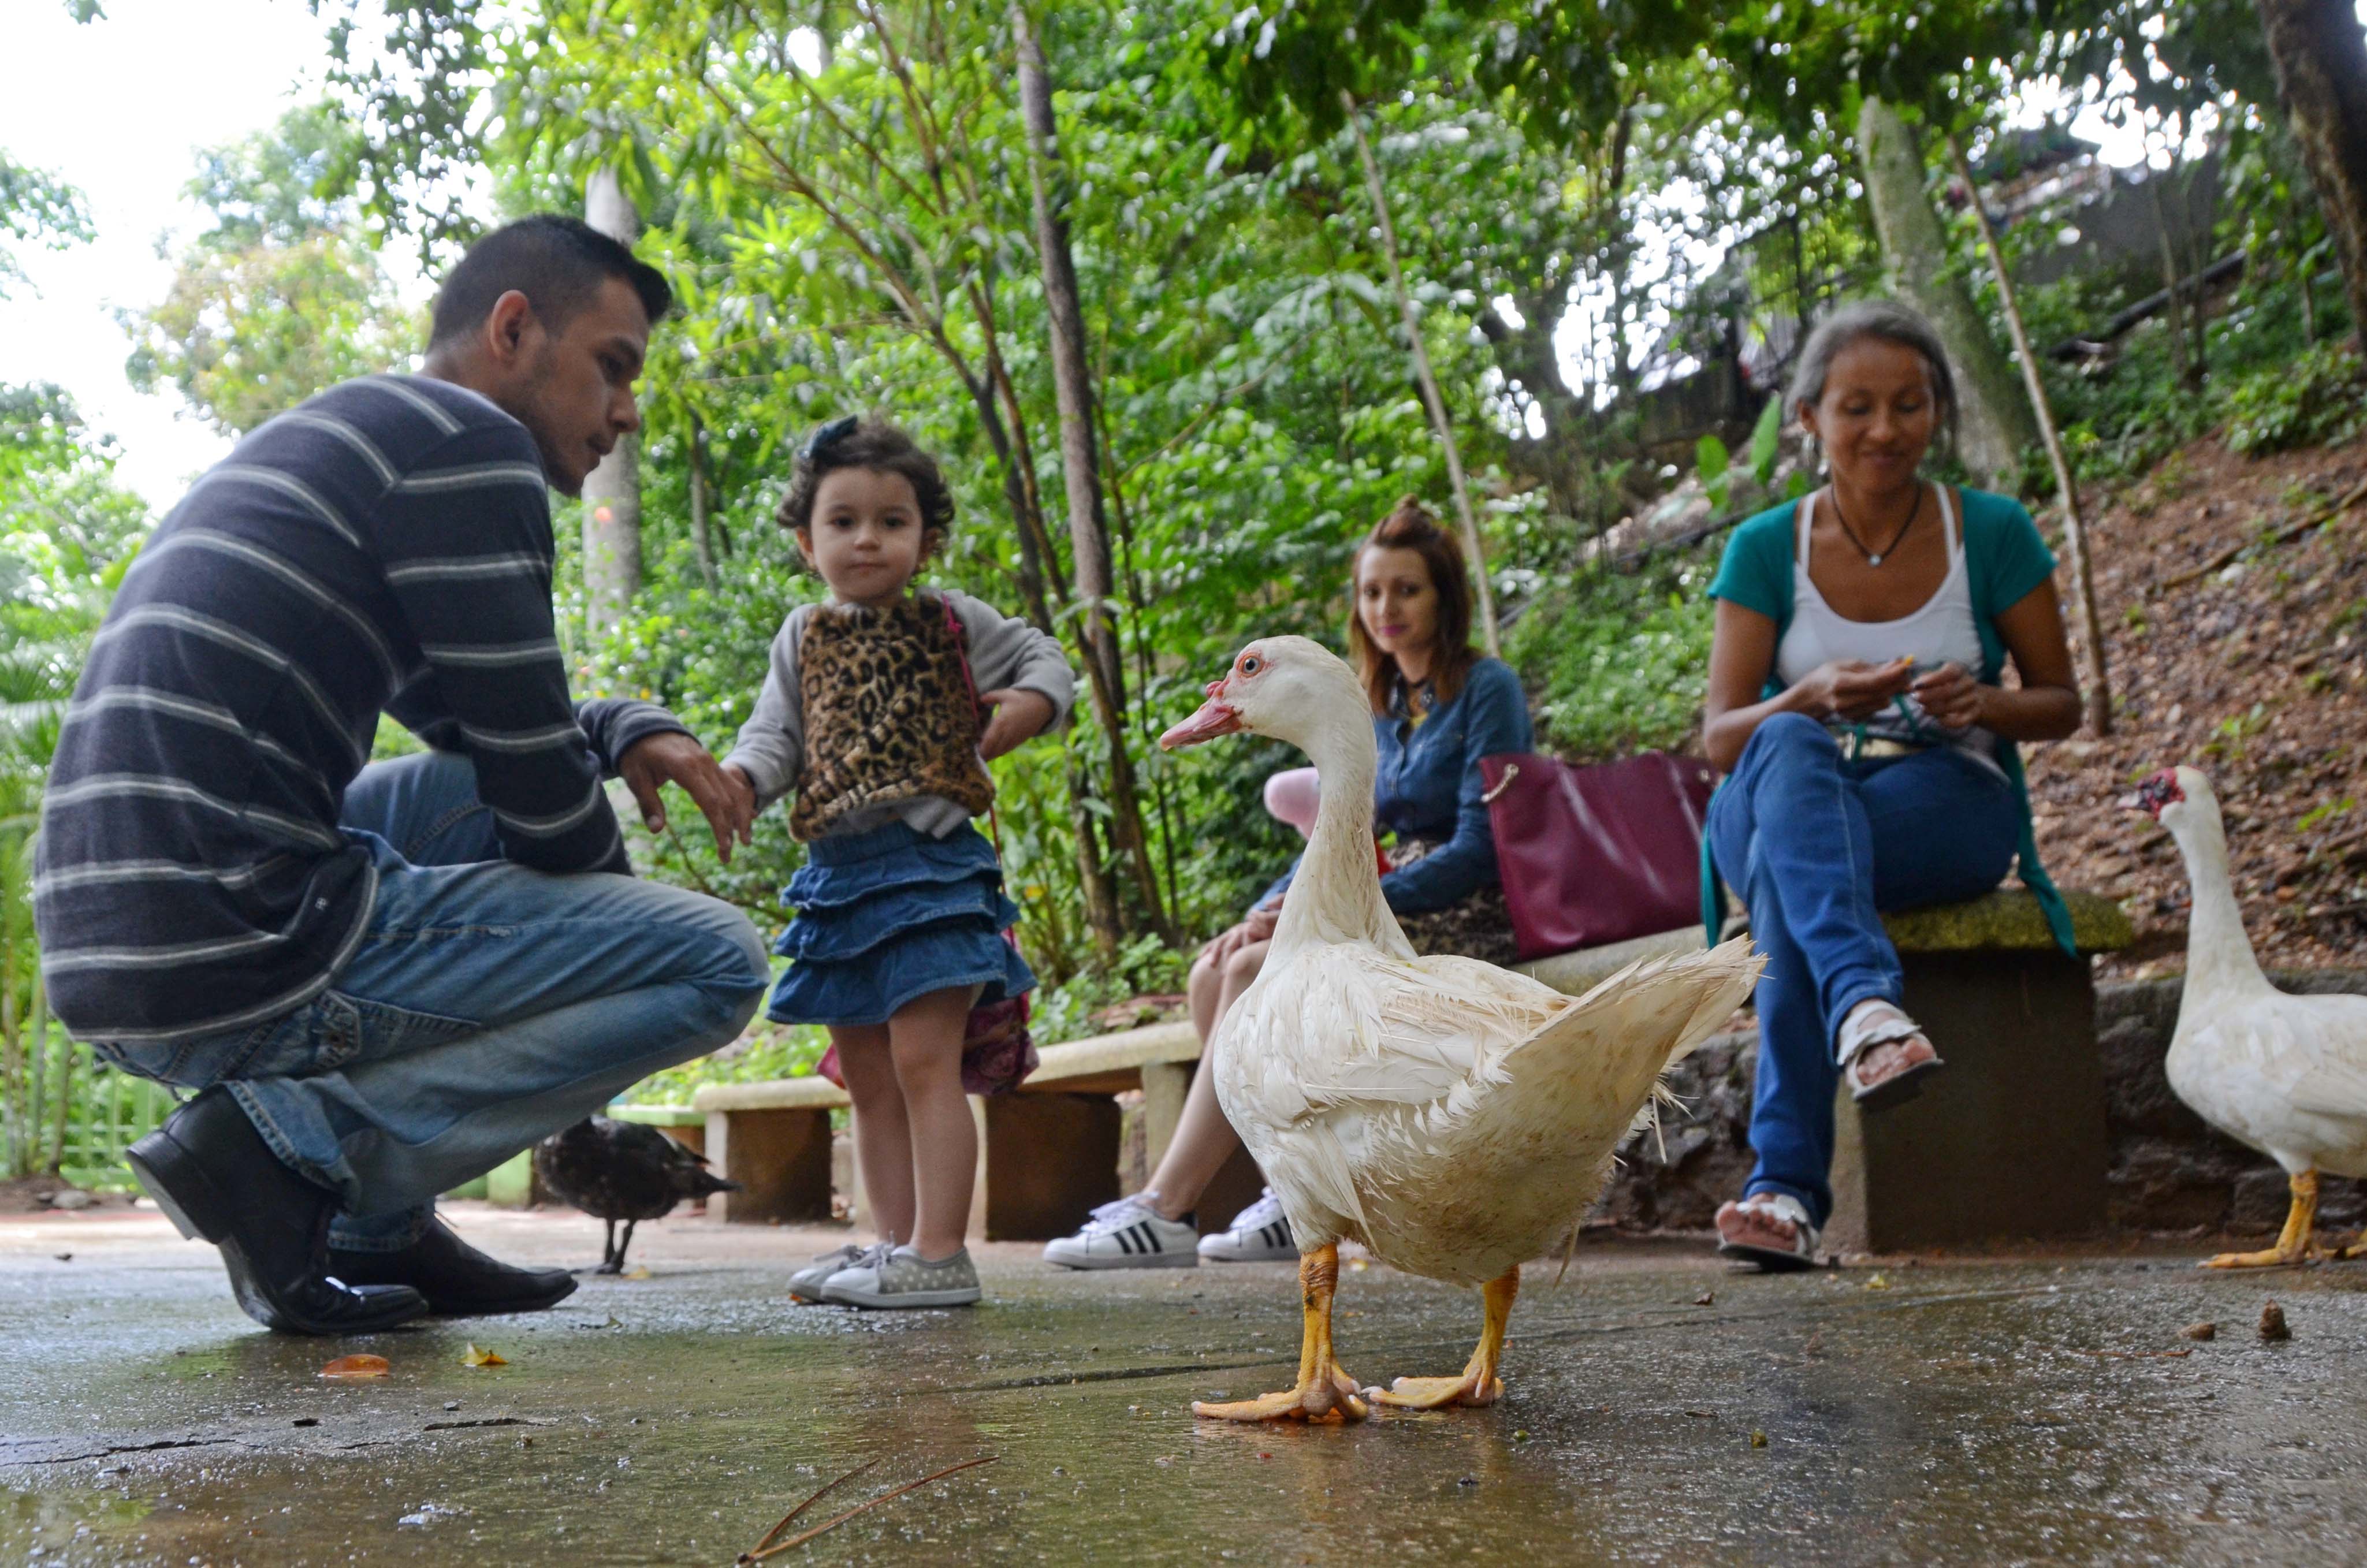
{"points": [[1950, 695], [1851, 688]]}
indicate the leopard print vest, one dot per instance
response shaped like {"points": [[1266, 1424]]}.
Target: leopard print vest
{"points": [[888, 713]]}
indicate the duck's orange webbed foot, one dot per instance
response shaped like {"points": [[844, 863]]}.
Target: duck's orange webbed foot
{"points": [[2294, 1244], [1479, 1383], [1324, 1394]]}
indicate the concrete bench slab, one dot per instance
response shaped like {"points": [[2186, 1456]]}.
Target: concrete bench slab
{"points": [[2009, 1139]]}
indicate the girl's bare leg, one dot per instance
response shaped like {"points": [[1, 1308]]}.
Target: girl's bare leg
{"points": [[1204, 1140], [883, 1133], [926, 1042]]}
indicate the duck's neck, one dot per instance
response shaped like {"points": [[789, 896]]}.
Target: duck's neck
{"points": [[2219, 957], [1337, 894]]}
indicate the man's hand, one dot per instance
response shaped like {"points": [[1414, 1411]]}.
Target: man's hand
{"points": [[1019, 715], [675, 758]]}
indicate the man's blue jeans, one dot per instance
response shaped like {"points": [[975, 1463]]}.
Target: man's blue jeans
{"points": [[487, 1005], [1816, 845]]}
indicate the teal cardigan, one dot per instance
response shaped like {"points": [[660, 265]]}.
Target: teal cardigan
{"points": [[2004, 558]]}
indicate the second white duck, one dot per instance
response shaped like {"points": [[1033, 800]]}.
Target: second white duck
{"points": [[2285, 1074]]}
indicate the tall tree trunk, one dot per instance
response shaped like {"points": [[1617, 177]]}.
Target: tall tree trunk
{"points": [[2075, 529], [2321, 60], [1996, 417], [612, 493], [1089, 545], [701, 535], [1471, 545]]}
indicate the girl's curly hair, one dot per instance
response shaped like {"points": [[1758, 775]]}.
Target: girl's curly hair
{"points": [[873, 444]]}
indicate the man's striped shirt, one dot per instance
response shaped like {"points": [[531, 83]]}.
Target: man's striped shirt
{"points": [[386, 546]]}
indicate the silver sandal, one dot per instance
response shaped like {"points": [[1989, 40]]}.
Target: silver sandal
{"points": [[1773, 1260], [1877, 1022]]}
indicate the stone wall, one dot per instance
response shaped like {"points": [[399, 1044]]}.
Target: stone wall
{"points": [[2169, 1171]]}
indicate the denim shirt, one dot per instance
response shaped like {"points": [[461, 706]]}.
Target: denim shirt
{"points": [[1429, 788]]}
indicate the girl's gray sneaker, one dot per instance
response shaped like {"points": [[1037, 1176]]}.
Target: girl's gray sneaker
{"points": [[903, 1277], [806, 1284]]}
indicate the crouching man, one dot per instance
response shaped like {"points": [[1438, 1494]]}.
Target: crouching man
{"points": [[382, 979]]}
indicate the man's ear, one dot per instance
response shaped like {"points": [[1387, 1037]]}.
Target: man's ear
{"points": [[507, 327]]}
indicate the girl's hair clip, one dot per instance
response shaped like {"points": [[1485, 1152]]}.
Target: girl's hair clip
{"points": [[829, 435]]}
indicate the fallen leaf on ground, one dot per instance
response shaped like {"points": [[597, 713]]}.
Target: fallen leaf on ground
{"points": [[1879, 1283], [2201, 1331], [357, 1369], [638, 1272], [1704, 1298], [476, 1358]]}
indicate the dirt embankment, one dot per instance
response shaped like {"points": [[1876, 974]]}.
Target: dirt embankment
{"points": [[2254, 671]]}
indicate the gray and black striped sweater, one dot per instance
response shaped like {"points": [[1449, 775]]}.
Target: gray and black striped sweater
{"points": [[386, 546]]}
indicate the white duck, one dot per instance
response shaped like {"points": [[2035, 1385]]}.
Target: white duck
{"points": [[2285, 1074], [1455, 1118]]}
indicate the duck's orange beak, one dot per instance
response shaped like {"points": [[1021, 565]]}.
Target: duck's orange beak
{"points": [[1215, 716]]}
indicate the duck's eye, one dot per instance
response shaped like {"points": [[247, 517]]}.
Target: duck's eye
{"points": [[1250, 666]]}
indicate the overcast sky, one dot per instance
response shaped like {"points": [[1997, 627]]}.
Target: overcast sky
{"points": [[120, 107]]}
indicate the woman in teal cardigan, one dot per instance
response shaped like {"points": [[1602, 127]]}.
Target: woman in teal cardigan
{"points": [[1855, 705]]}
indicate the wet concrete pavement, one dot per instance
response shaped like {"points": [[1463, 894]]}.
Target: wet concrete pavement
{"points": [[1980, 1410]]}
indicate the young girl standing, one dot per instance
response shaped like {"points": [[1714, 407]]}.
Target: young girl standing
{"points": [[868, 716]]}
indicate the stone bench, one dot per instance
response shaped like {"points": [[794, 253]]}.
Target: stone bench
{"points": [[1047, 1151], [2011, 1138]]}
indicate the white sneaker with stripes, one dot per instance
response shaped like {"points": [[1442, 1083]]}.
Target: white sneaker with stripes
{"points": [[1258, 1234], [1129, 1234]]}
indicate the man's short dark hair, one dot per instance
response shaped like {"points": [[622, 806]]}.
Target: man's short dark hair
{"points": [[557, 263]]}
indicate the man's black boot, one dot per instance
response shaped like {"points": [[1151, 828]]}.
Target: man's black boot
{"points": [[457, 1280], [214, 1176]]}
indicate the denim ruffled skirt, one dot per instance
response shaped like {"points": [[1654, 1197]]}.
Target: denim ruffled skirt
{"points": [[892, 914]]}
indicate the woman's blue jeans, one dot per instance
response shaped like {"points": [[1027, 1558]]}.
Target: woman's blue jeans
{"points": [[1816, 845], [487, 1005]]}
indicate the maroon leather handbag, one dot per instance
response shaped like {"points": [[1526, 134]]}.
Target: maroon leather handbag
{"points": [[1600, 854]]}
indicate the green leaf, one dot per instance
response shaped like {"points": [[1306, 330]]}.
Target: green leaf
{"points": [[1710, 459], [1766, 438]]}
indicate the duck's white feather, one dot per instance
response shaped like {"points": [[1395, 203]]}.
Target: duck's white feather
{"points": [[1455, 1118]]}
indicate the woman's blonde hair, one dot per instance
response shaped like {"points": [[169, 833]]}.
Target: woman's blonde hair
{"points": [[1410, 526]]}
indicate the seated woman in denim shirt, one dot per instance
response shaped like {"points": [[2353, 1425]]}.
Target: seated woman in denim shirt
{"points": [[1438, 707]]}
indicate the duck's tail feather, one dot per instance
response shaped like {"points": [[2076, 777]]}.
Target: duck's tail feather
{"points": [[1605, 1053]]}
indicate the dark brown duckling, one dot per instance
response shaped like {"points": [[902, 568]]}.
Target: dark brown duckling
{"points": [[622, 1170]]}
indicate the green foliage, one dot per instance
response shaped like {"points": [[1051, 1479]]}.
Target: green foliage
{"points": [[2321, 397], [283, 294], [1617, 663], [36, 207], [66, 535]]}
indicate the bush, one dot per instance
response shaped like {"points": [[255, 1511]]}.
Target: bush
{"points": [[1617, 663], [2318, 398]]}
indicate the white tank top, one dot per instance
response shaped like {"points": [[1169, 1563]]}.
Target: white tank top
{"points": [[1942, 630]]}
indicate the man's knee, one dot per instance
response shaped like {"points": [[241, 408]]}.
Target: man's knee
{"points": [[750, 966]]}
